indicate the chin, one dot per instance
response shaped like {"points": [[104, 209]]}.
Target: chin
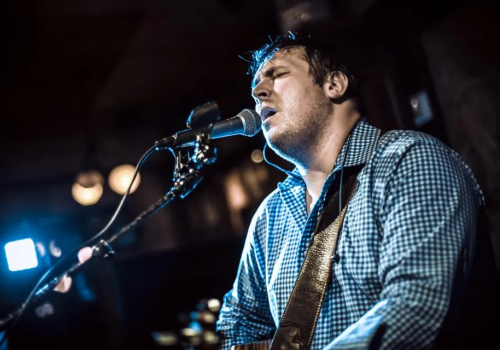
{"points": [[273, 137], [280, 144]]}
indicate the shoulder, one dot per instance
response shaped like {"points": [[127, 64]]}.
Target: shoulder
{"points": [[400, 141], [407, 146], [405, 150], [411, 154]]}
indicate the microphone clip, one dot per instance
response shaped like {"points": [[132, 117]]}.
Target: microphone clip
{"points": [[188, 164], [204, 115], [103, 250]]}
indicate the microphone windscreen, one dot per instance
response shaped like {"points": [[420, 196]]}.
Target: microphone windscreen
{"points": [[252, 122]]}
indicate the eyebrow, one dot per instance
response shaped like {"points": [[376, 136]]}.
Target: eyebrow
{"points": [[269, 72]]}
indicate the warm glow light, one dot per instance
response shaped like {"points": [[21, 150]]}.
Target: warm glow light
{"points": [[87, 189], [209, 337], [214, 305], [120, 178], [87, 195], [235, 192], [165, 338], [257, 156], [189, 332]]}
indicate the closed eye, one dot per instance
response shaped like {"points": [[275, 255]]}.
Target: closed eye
{"points": [[278, 75]]}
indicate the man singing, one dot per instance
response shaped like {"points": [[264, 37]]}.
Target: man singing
{"points": [[407, 235]]}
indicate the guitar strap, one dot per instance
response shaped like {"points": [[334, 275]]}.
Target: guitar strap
{"points": [[297, 326]]}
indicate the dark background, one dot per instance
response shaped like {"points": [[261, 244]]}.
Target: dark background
{"points": [[92, 84]]}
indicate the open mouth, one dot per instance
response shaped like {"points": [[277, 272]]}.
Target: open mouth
{"points": [[267, 114]]}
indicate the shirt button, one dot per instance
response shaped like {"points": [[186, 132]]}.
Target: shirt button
{"points": [[336, 258]]}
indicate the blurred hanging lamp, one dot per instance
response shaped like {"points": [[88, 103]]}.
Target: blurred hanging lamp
{"points": [[120, 178], [88, 186], [88, 189]]}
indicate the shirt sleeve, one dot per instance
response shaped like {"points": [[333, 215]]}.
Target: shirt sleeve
{"points": [[428, 219], [245, 316]]}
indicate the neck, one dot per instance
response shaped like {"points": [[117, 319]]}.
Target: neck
{"points": [[323, 156]]}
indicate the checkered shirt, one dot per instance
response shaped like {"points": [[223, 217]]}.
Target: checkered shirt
{"points": [[412, 217]]}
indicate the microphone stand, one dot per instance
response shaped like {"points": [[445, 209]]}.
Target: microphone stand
{"points": [[187, 176]]}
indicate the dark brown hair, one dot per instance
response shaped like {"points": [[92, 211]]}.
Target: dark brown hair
{"points": [[323, 59]]}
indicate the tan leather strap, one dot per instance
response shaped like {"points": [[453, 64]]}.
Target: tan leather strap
{"points": [[298, 323]]}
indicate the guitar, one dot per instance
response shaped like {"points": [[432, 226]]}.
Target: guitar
{"points": [[261, 345]]}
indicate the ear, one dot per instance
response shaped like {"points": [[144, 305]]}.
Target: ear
{"points": [[336, 85]]}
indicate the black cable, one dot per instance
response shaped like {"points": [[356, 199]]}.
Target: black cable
{"points": [[75, 251], [289, 173], [340, 189], [342, 171]]}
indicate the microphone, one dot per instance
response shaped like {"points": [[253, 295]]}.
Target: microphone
{"points": [[246, 123]]}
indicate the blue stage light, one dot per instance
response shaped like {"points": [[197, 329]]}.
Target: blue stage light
{"points": [[21, 255]]}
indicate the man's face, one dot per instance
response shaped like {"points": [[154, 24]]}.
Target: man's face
{"points": [[294, 110]]}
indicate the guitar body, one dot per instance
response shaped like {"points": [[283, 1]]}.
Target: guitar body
{"points": [[261, 345]]}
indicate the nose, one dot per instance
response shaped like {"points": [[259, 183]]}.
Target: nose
{"points": [[261, 91]]}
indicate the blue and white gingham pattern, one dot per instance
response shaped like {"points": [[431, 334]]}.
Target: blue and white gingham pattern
{"points": [[412, 217]]}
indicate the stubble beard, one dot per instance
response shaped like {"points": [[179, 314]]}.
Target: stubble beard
{"points": [[300, 136]]}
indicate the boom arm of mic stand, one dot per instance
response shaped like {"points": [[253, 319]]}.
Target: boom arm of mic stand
{"points": [[42, 292], [187, 177], [102, 249]]}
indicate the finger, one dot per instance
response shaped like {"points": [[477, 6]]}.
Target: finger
{"points": [[64, 285], [84, 254]]}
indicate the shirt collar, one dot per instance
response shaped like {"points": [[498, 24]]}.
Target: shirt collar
{"points": [[357, 150]]}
